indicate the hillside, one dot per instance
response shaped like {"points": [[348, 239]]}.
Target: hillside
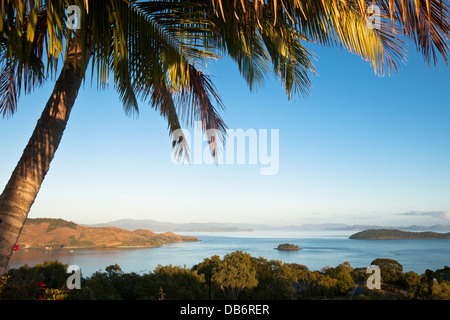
{"points": [[58, 233], [384, 234]]}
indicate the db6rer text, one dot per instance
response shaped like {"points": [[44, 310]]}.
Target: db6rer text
{"points": [[247, 309]]}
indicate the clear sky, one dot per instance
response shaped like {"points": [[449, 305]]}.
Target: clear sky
{"points": [[361, 149]]}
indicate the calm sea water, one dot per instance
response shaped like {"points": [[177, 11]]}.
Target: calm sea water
{"points": [[319, 249]]}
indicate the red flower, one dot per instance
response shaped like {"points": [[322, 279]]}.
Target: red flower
{"points": [[40, 284], [16, 247]]}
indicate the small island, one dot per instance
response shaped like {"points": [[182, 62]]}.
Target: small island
{"points": [[391, 234], [288, 247]]}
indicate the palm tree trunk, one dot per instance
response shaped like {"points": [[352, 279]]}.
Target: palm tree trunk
{"points": [[25, 182]]}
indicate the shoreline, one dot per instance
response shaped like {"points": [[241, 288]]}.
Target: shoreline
{"points": [[101, 247]]}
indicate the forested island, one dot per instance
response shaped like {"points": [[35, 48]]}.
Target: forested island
{"points": [[288, 247], [386, 234]]}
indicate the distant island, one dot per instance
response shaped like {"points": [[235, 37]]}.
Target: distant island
{"points": [[52, 234], [158, 226], [386, 234], [132, 224], [288, 247]]}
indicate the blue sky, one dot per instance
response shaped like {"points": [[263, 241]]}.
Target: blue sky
{"points": [[361, 149]]}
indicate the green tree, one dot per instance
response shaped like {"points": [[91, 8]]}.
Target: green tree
{"points": [[124, 284], [100, 287], [235, 273], [411, 282], [342, 273], [112, 284], [176, 282], [151, 49], [318, 285], [391, 270], [324, 287], [446, 272], [440, 291], [359, 275], [29, 283], [275, 280], [425, 285], [207, 266]]}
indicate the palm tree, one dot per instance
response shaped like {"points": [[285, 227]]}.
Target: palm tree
{"points": [[144, 58], [154, 52]]}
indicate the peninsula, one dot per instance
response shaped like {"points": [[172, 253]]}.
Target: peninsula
{"points": [[52, 234], [387, 234]]}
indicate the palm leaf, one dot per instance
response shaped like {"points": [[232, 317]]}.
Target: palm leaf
{"points": [[153, 48], [340, 22]]}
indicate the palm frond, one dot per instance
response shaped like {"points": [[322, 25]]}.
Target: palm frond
{"points": [[161, 99], [200, 96], [168, 73], [16, 75], [341, 22], [192, 102], [426, 22], [8, 89], [261, 43], [152, 50]]}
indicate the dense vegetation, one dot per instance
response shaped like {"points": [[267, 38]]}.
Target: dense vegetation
{"points": [[237, 275], [288, 246], [53, 224], [398, 234]]}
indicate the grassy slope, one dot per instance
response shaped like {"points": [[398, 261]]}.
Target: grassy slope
{"points": [[58, 233]]}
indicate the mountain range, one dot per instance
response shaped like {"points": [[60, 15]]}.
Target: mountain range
{"points": [[158, 226]]}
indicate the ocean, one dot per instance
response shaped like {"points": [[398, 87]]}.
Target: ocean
{"points": [[319, 249]]}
